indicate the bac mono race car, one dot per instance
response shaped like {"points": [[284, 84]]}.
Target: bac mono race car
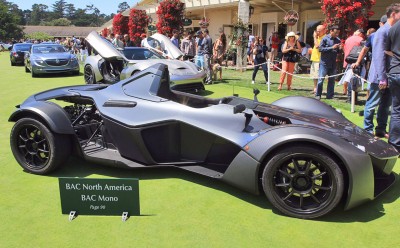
{"points": [[306, 160]]}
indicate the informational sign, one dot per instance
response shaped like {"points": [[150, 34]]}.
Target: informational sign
{"points": [[90, 196], [187, 22], [151, 28]]}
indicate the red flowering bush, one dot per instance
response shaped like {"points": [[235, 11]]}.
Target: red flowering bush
{"points": [[349, 15], [104, 32], [138, 22], [120, 24], [170, 16]]}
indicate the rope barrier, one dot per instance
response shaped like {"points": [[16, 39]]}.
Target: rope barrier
{"points": [[294, 75]]}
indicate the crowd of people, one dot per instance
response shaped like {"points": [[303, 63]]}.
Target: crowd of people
{"points": [[381, 69]]}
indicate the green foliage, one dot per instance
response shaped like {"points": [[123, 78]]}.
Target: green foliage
{"points": [[9, 28], [122, 7], [39, 36], [59, 9], [59, 22]]}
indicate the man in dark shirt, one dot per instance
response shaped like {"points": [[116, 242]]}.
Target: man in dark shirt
{"points": [[393, 73], [329, 48], [207, 47]]}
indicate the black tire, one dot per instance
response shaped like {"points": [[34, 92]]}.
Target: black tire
{"points": [[12, 63], [88, 75], [26, 69], [303, 182], [36, 148], [33, 73]]}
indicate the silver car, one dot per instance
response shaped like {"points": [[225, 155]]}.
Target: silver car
{"points": [[110, 65], [50, 58]]}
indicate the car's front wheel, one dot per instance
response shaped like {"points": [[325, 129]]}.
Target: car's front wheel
{"points": [[89, 76], [303, 181], [36, 148]]}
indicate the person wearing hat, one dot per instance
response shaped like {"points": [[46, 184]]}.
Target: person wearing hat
{"points": [[380, 95], [329, 48], [290, 49]]}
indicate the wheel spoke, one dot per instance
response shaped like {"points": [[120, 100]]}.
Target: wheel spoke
{"points": [[43, 150], [40, 158], [282, 185], [301, 201], [295, 164], [40, 141], [315, 198], [319, 175], [322, 188], [23, 138], [285, 173], [28, 136], [288, 196], [308, 166]]}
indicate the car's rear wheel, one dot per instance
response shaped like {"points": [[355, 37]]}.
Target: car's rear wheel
{"points": [[36, 148], [89, 76], [303, 181]]}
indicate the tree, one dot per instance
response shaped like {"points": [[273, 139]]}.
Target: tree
{"points": [[138, 22], [9, 28], [82, 19], [59, 8], [60, 22], [70, 11], [349, 15], [122, 7], [120, 24], [39, 13], [39, 36], [170, 15]]}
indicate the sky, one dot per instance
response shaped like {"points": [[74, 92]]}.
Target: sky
{"points": [[105, 6]]}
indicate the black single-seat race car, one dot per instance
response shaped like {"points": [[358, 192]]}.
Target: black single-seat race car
{"points": [[304, 155]]}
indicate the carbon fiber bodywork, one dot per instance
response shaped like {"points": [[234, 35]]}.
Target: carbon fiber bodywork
{"points": [[140, 122]]}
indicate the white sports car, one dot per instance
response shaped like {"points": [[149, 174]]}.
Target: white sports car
{"points": [[110, 65]]}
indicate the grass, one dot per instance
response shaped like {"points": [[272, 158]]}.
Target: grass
{"points": [[179, 209]]}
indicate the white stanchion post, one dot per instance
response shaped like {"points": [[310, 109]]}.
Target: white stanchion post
{"points": [[353, 100], [269, 74]]}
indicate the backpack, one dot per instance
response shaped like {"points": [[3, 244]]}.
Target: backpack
{"points": [[353, 55]]}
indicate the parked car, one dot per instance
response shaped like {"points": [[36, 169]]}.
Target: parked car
{"points": [[307, 161], [50, 58], [109, 65], [5, 47], [17, 53]]}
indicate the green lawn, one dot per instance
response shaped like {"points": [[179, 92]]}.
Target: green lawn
{"points": [[179, 209]]}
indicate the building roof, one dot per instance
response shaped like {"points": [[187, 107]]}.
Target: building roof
{"points": [[61, 31]]}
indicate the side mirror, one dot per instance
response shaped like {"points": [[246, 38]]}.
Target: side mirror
{"points": [[239, 108]]}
